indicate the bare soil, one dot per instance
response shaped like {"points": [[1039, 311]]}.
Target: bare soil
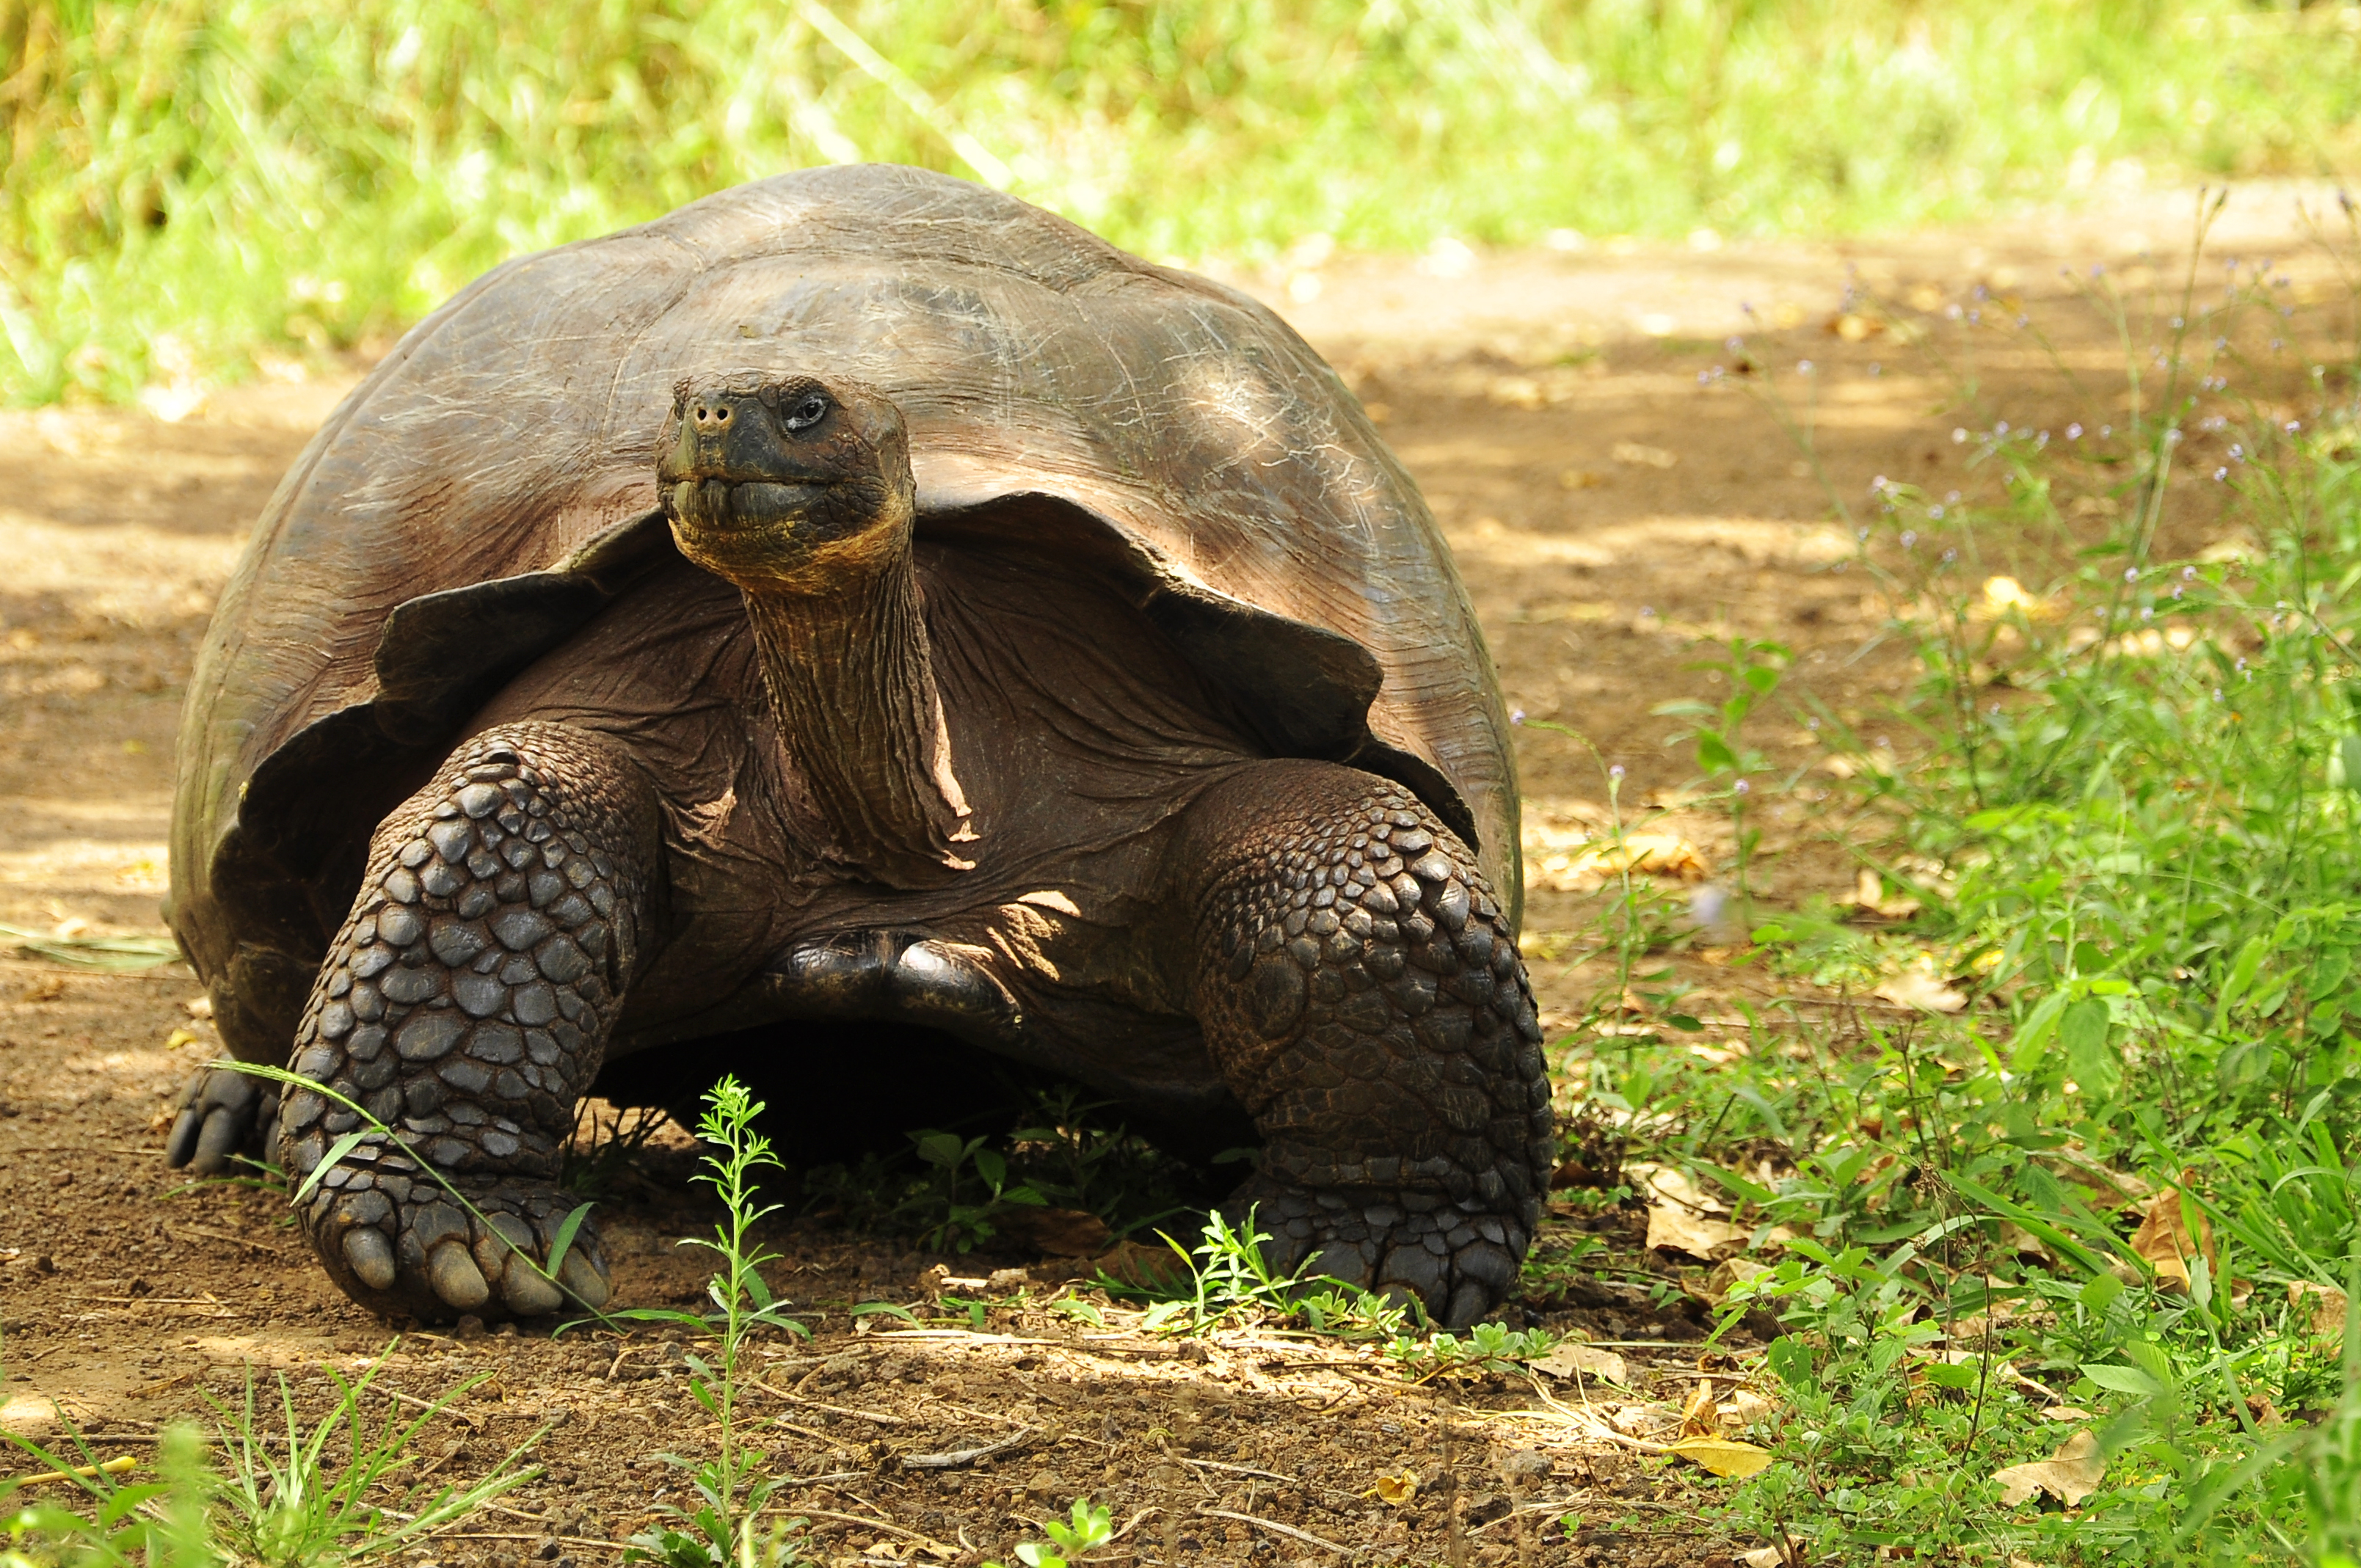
{"points": [[1615, 516]]}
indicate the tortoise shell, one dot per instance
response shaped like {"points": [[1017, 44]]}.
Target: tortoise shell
{"points": [[491, 486]]}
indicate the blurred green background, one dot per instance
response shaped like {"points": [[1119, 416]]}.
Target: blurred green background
{"points": [[198, 187]]}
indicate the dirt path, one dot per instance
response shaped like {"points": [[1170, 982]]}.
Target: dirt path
{"points": [[1615, 508]]}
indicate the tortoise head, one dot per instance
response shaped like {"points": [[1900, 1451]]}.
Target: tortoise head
{"points": [[788, 485]]}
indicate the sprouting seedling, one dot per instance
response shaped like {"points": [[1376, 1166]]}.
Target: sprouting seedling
{"points": [[1086, 1528]]}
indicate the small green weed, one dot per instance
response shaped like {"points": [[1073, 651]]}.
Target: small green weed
{"points": [[310, 1496], [731, 1490], [1086, 1528], [1489, 1347], [954, 1191], [284, 1503]]}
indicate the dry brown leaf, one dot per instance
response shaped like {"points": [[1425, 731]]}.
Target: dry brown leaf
{"points": [[1722, 1455], [1676, 1230], [2070, 1475], [1746, 1407], [2162, 1240], [1571, 1357], [1922, 989], [1762, 1557], [1698, 1409], [1671, 1184], [2326, 1305], [1396, 1490], [2064, 1413], [1639, 1421]]}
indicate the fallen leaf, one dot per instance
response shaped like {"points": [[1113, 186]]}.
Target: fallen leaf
{"points": [[179, 1037], [1722, 1455], [1671, 1184], [1572, 1356], [2070, 1475], [2162, 1240], [1922, 989], [2064, 1413], [1762, 1557], [1697, 1410], [2326, 1304], [1639, 1421], [1674, 1229], [1396, 1490], [1745, 1407]]}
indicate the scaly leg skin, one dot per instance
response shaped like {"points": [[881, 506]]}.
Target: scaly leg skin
{"points": [[1361, 993], [467, 1004]]}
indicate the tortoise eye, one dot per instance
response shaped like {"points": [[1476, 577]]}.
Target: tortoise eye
{"points": [[807, 414]]}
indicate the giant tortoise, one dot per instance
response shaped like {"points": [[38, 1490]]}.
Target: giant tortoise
{"points": [[856, 617]]}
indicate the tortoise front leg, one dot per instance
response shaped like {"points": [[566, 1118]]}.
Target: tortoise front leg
{"points": [[467, 1004], [1362, 995]]}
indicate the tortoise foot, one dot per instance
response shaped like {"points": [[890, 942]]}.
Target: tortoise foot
{"points": [[227, 1117], [1361, 989], [399, 1243], [1457, 1260], [461, 1011]]}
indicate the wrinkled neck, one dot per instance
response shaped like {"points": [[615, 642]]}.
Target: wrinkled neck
{"points": [[852, 687]]}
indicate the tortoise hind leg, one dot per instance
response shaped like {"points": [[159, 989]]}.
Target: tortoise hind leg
{"points": [[1360, 991], [467, 1004]]}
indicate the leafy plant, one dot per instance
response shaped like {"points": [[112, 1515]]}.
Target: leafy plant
{"points": [[1489, 1347], [1227, 1277], [731, 1490], [954, 1190], [280, 1500], [1087, 1528], [284, 1503]]}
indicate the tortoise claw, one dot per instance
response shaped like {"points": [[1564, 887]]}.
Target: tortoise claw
{"points": [[371, 1256], [225, 1114], [456, 1278]]}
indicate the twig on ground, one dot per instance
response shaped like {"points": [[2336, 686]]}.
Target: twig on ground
{"points": [[1282, 1528], [881, 1419], [925, 1541], [958, 1458]]}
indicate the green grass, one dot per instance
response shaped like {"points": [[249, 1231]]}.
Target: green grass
{"points": [[321, 1494], [195, 188], [2130, 814]]}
